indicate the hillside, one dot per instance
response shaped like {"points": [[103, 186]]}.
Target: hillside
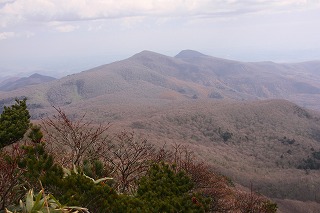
{"points": [[262, 142], [6, 80], [189, 75], [232, 114], [16, 83]]}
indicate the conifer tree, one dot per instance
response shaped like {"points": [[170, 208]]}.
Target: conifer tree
{"points": [[14, 122], [164, 190]]}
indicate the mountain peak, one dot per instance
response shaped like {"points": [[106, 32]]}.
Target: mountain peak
{"points": [[35, 75], [145, 53], [148, 55], [189, 54]]}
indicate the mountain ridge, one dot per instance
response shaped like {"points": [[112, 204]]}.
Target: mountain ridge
{"points": [[25, 81], [248, 119], [151, 74]]}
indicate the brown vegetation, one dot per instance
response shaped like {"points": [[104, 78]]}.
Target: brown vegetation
{"points": [[75, 140], [9, 175], [270, 143]]}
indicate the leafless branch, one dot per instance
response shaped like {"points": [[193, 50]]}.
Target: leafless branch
{"points": [[74, 138]]}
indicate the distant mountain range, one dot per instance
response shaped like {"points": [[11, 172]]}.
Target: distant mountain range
{"points": [[227, 111], [188, 75], [17, 83]]}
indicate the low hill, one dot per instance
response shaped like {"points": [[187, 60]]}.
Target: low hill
{"points": [[13, 84], [271, 145], [6, 80], [263, 142]]}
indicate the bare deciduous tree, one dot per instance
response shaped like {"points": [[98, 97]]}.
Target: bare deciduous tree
{"points": [[253, 202], [10, 186], [74, 139], [205, 180], [130, 157]]}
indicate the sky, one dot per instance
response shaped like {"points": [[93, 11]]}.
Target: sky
{"points": [[60, 37]]}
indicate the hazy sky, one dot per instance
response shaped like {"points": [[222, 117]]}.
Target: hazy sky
{"points": [[64, 36]]}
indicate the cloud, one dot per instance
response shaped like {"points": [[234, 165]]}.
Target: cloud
{"points": [[10, 35], [7, 35], [16, 11], [28, 34], [64, 28], [5, 1]]}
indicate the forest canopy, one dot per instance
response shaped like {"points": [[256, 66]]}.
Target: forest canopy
{"points": [[73, 163]]}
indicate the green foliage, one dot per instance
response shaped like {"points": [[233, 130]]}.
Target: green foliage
{"points": [[126, 203], [309, 163], [39, 165], [14, 122], [42, 203], [163, 190], [226, 136], [316, 155], [36, 203], [35, 135], [94, 169], [76, 189], [312, 162]]}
